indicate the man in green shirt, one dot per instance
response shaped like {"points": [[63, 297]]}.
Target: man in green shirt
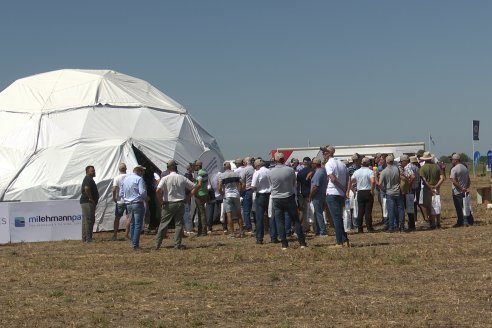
{"points": [[201, 197], [432, 178]]}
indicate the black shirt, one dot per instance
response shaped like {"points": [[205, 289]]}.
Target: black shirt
{"points": [[89, 182]]}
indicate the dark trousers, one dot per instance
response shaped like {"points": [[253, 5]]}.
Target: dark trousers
{"points": [[458, 205], [365, 201]]}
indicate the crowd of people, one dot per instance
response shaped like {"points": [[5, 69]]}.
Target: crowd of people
{"points": [[285, 200]]}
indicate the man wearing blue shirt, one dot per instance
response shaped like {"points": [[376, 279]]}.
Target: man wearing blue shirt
{"points": [[133, 192], [317, 195]]}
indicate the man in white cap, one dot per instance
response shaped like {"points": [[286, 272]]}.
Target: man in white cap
{"points": [[432, 179], [119, 204], [460, 179], [171, 192], [134, 193]]}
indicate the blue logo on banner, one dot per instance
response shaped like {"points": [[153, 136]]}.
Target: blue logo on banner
{"points": [[20, 222], [476, 157], [476, 129], [489, 159]]}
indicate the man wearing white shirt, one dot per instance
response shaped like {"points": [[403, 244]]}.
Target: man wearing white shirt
{"points": [[171, 191], [119, 206], [365, 183], [261, 184], [336, 192]]}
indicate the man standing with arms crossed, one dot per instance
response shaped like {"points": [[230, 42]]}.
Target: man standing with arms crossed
{"points": [[88, 202], [171, 192]]}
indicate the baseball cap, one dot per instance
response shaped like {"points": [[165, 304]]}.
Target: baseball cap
{"points": [[404, 158], [414, 159], [172, 163], [279, 156], [306, 159], [328, 148], [456, 156], [366, 160]]}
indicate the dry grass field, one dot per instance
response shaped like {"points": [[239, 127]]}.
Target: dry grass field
{"points": [[430, 278]]}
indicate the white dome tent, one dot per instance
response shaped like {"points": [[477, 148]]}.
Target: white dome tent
{"points": [[53, 125]]}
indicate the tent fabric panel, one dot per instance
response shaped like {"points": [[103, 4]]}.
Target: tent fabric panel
{"points": [[66, 89]]}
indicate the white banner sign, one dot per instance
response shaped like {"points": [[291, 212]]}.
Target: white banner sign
{"points": [[45, 221], [4, 223]]}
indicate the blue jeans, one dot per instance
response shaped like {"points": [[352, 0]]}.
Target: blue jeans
{"points": [[136, 214], [396, 211], [458, 205], [188, 224], [318, 215], [273, 228], [247, 205], [288, 225], [335, 205], [261, 207], [281, 207]]}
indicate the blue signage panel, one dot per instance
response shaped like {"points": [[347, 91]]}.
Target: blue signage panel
{"points": [[476, 157], [489, 160]]}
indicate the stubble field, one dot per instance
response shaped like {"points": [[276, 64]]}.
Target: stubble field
{"points": [[430, 278]]}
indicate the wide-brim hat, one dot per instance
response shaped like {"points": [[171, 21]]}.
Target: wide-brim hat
{"points": [[427, 156]]}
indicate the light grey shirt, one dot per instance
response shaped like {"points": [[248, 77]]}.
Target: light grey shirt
{"points": [[174, 187], [282, 181], [459, 173], [390, 180]]}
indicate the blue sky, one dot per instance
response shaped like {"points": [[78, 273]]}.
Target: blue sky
{"points": [[277, 73]]}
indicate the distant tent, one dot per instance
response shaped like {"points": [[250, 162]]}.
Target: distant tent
{"points": [[53, 125]]}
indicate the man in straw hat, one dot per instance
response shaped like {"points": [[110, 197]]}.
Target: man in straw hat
{"points": [[432, 179]]}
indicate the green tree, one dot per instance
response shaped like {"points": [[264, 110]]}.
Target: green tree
{"points": [[444, 159], [465, 158]]}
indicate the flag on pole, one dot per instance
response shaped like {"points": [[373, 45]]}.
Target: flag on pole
{"points": [[432, 140], [476, 129]]}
